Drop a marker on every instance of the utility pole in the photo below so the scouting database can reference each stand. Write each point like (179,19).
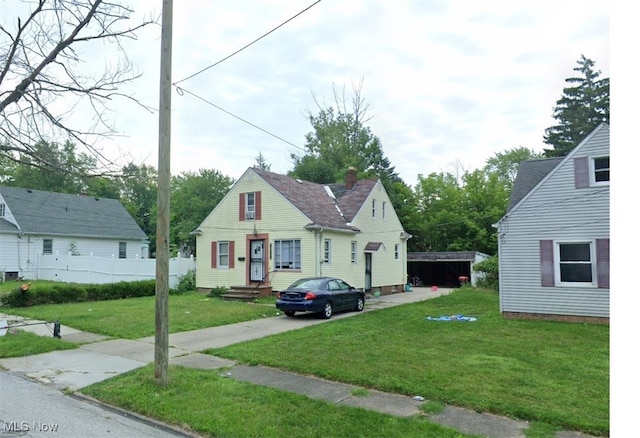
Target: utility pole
(164,179)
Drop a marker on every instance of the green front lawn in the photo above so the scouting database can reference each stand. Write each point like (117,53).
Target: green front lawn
(551,372)
(134,318)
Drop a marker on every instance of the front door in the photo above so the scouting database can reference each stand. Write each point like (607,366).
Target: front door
(367,272)
(256,260)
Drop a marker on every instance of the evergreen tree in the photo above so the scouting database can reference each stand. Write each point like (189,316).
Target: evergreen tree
(582,107)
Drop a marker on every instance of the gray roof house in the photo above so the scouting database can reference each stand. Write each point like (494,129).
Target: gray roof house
(35,224)
(553,241)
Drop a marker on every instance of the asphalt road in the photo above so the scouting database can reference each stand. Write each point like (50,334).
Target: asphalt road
(30,409)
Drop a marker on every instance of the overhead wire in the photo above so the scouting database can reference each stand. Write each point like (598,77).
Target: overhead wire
(246,46)
(181,91)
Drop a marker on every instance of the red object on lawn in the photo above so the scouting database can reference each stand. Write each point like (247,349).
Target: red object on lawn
(434,288)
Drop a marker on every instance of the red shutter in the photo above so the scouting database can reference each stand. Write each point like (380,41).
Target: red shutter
(241,217)
(546,263)
(258,200)
(581,170)
(232,254)
(602,262)
(214,254)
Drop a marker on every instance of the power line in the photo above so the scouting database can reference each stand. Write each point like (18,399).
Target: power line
(246,46)
(182,91)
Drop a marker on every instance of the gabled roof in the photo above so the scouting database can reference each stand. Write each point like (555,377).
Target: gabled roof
(49,213)
(331,206)
(531,173)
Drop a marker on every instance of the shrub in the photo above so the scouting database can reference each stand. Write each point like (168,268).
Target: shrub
(491,269)
(217,291)
(69,293)
(186,283)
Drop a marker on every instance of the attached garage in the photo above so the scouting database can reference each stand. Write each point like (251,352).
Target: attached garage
(443,269)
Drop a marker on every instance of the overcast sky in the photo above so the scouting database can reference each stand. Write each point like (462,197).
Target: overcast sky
(449,83)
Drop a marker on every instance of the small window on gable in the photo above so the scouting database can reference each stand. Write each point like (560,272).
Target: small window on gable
(396,252)
(373,208)
(600,172)
(1,209)
(250,207)
(354,251)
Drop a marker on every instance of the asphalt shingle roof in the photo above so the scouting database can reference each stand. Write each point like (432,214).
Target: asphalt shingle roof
(313,200)
(39,212)
(530,173)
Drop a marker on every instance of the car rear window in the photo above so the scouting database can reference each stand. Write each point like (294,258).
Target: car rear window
(307,284)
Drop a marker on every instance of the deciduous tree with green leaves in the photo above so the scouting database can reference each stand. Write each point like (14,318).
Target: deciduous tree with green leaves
(583,106)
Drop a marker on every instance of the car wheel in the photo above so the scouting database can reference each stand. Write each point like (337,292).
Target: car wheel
(328,310)
(359,304)
(289,312)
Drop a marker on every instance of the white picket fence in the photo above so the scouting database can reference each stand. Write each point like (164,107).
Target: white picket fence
(100,270)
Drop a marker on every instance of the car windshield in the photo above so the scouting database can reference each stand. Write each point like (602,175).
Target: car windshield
(307,283)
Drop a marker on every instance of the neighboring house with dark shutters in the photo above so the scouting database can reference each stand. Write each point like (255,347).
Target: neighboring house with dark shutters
(271,230)
(36,224)
(553,242)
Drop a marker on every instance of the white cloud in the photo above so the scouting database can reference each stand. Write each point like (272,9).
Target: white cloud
(448,81)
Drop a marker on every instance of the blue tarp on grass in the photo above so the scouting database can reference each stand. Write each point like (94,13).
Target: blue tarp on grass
(452,318)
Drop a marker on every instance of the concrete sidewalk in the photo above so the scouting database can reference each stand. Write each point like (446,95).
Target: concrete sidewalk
(98,358)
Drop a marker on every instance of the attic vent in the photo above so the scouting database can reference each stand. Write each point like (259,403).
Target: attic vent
(329,192)
(29,191)
(97,199)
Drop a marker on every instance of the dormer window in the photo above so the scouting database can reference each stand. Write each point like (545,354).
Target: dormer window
(2,207)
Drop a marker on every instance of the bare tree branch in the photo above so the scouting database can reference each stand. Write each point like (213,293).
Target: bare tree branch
(44,80)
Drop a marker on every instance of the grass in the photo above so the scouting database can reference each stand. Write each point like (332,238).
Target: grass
(21,343)
(217,406)
(556,375)
(550,372)
(134,318)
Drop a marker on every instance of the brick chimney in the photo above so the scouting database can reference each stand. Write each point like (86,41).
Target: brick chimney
(351,177)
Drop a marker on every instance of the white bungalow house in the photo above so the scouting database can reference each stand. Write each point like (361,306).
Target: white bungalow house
(553,241)
(36,224)
(271,230)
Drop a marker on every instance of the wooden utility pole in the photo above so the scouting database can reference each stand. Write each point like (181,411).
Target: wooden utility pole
(164,179)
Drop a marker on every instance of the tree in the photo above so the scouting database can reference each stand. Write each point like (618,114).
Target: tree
(505,164)
(43,78)
(138,193)
(22,173)
(582,107)
(261,162)
(339,140)
(193,196)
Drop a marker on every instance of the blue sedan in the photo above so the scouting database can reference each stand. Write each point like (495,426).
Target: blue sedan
(322,295)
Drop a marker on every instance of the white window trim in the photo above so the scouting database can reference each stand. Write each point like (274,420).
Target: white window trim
(250,209)
(396,251)
(592,171)
(593,262)
(276,250)
(384,210)
(220,254)
(373,208)
(327,251)
(50,252)
(354,251)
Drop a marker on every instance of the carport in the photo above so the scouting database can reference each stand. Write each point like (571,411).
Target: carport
(442,268)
